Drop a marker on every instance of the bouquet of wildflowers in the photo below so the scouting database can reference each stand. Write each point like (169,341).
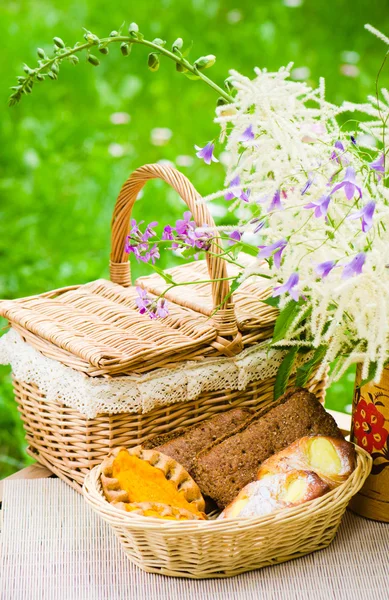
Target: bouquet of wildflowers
(317,206)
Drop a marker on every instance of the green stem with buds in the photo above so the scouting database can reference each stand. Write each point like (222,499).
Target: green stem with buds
(50,66)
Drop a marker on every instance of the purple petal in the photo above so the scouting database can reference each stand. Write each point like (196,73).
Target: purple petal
(235,236)
(206,153)
(267,251)
(378,164)
(287,286)
(349,190)
(247,135)
(324,268)
(276,203)
(354,267)
(233,193)
(245,196)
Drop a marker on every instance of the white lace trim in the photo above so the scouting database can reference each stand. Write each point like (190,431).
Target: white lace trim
(135,393)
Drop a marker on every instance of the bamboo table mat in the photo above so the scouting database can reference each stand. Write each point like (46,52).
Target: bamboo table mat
(54,548)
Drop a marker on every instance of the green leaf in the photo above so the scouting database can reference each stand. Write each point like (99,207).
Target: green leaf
(371,374)
(284,320)
(272,301)
(234,285)
(249,249)
(190,75)
(188,49)
(304,372)
(166,276)
(283,373)
(190,252)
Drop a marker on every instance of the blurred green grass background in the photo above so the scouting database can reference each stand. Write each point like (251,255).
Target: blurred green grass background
(63,158)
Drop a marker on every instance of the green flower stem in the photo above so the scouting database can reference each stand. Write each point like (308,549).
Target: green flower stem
(47,65)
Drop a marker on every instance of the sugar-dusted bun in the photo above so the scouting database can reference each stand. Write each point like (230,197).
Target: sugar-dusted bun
(332,459)
(275,491)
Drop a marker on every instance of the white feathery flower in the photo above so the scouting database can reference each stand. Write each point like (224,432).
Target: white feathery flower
(324,202)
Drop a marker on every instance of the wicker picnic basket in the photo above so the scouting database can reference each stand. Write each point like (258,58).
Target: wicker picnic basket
(203,549)
(91,373)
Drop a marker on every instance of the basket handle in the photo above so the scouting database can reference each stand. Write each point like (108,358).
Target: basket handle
(120,273)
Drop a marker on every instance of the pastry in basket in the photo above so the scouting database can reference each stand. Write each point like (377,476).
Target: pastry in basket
(185,443)
(273,492)
(225,467)
(146,480)
(332,459)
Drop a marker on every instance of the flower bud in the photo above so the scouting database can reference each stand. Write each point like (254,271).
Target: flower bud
(54,68)
(104,50)
(125,49)
(159,42)
(153,61)
(114,33)
(27,70)
(133,30)
(58,42)
(178,44)
(180,68)
(40,77)
(93,60)
(204,62)
(91,37)
(74,59)
(52,75)
(40,52)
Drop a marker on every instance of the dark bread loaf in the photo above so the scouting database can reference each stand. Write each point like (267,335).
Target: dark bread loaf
(185,443)
(225,467)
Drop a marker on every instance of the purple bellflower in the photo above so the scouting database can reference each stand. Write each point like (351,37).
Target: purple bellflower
(276,203)
(320,206)
(323,269)
(234,237)
(339,157)
(366,214)
(349,184)
(236,192)
(274,250)
(289,287)
(206,153)
(378,164)
(307,186)
(354,267)
(248,135)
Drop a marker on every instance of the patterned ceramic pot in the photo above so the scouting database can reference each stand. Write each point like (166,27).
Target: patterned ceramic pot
(370,430)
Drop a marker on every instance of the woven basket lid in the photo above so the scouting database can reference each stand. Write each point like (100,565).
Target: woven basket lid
(96,328)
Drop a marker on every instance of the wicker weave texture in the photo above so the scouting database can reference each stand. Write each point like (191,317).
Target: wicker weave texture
(97,329)
(70,445)
(225,548)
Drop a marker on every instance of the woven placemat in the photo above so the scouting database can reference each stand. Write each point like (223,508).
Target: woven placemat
(55,548)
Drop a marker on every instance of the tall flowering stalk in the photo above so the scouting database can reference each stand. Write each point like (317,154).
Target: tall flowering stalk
(322,197)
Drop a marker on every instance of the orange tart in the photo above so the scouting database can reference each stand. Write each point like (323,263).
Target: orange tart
(152,484)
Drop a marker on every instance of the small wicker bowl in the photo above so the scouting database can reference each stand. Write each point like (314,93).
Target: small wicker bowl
(203,549)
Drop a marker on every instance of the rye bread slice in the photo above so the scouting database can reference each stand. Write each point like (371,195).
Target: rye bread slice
(185,443)
(226,466)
